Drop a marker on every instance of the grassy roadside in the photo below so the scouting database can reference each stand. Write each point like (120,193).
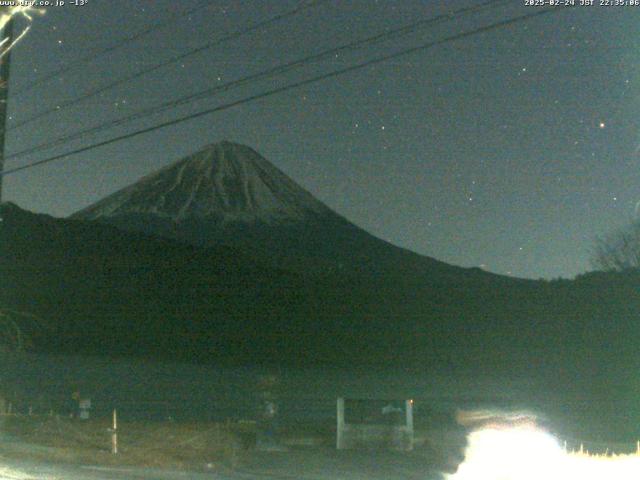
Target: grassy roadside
(210,447)
(167,445)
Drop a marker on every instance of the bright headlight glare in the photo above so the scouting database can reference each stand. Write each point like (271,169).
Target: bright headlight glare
(528,453)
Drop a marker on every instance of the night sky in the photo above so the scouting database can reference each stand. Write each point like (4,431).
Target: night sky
(511,150)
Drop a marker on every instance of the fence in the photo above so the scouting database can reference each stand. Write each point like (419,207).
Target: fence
(367,423)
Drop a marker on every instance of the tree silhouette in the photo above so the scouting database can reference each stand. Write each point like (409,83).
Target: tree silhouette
(618,251)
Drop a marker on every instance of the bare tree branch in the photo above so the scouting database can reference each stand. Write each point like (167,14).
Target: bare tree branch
(618,251)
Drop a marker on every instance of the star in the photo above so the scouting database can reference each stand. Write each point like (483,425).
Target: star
(602,125)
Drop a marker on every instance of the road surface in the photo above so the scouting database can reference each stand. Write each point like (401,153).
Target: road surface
(301,463)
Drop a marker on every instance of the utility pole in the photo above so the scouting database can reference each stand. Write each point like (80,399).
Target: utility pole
(7,35)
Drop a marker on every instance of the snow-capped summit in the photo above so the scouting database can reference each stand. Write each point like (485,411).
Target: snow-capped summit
(224,182)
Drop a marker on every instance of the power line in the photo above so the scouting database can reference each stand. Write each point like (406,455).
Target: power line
(98,53)
(275,91)
(280,69)
(174,59)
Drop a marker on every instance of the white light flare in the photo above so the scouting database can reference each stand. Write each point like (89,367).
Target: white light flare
(529,453)
(7,14)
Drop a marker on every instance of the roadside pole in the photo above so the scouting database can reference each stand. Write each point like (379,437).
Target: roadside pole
(114,433)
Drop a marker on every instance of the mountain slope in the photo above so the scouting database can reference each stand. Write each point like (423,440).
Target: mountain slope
(107,291)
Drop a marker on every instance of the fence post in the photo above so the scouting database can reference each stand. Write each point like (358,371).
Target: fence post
(340,424)
(408,407)
(114,433)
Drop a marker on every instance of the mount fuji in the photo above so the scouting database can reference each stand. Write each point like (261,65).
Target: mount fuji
(228,194)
